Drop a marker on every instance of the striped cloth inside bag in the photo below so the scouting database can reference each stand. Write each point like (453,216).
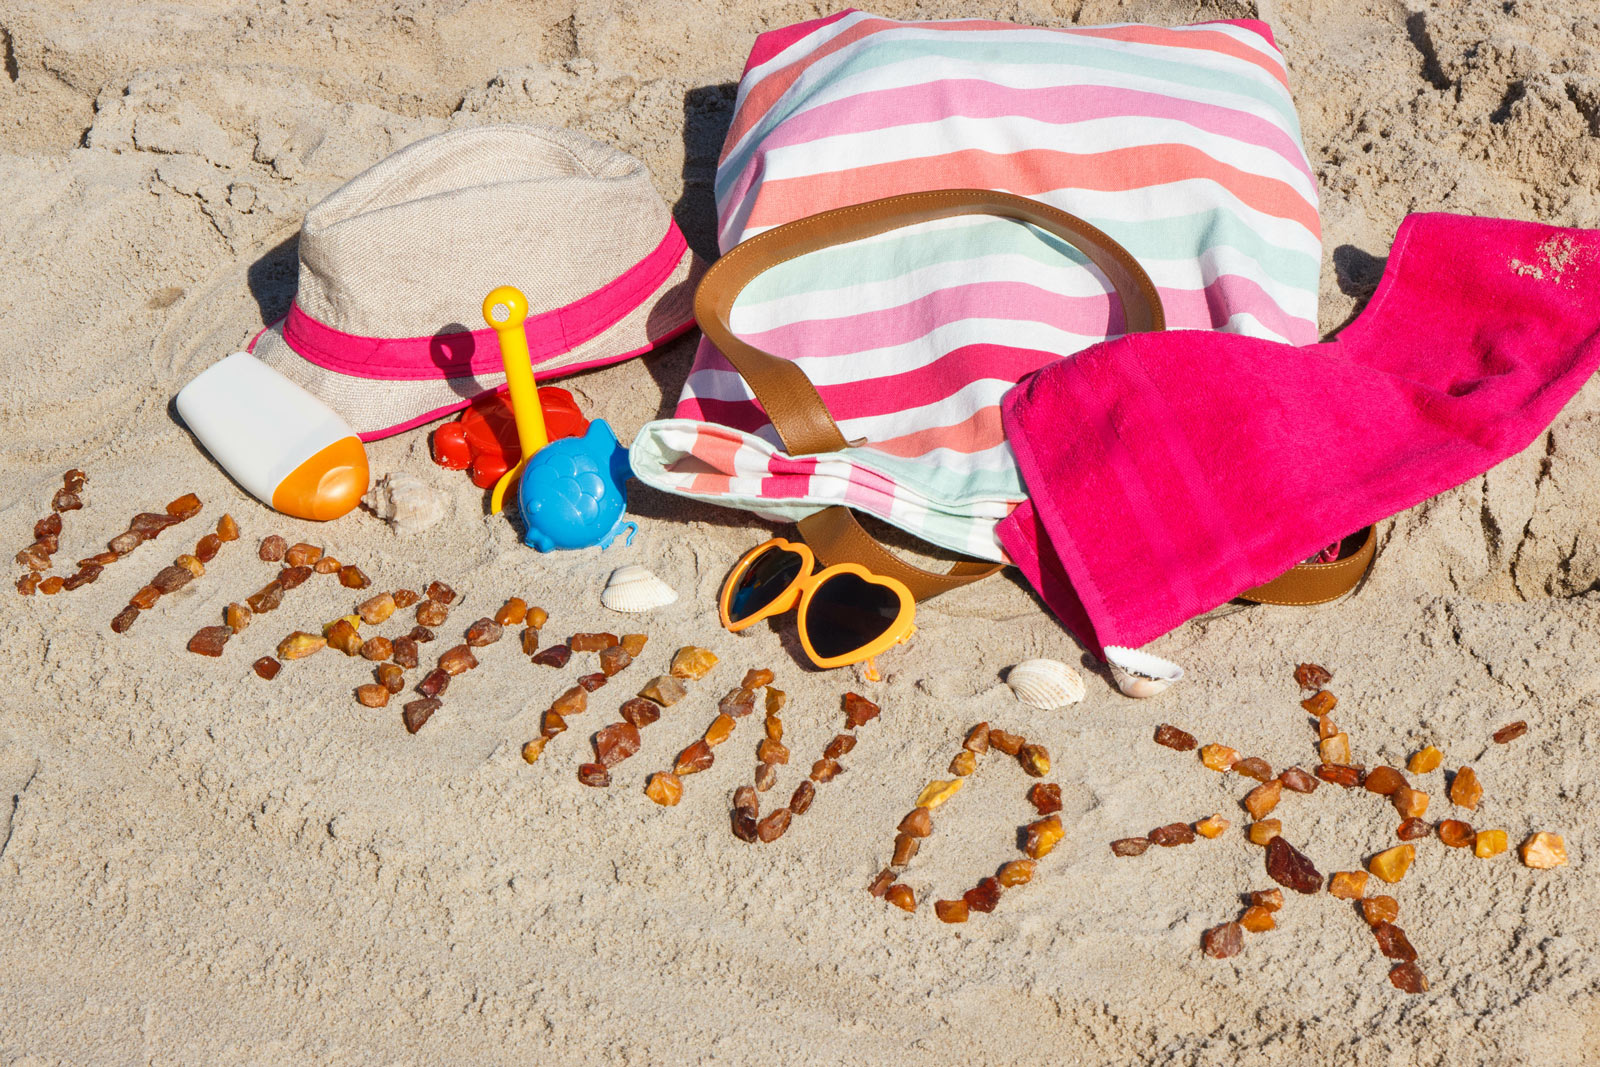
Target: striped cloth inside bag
(1182,144)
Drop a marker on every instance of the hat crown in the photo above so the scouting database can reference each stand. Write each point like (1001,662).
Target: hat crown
(408,247)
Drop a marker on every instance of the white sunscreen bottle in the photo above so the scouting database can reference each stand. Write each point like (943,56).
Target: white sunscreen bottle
(284,446)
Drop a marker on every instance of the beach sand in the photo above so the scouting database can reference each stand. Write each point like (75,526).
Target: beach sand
(200,867)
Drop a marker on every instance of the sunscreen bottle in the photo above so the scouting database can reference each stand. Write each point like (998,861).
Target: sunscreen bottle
(284,446)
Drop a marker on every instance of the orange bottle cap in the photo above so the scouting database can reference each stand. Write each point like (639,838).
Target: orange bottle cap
(327,485)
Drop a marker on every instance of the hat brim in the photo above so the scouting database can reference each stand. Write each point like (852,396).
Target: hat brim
(380,407)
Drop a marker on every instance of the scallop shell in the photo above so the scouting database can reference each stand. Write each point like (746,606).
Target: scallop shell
(1045,683)
(634,589)
(1140,674)
(407,503)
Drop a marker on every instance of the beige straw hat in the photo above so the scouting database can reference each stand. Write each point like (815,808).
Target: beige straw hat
(386,325)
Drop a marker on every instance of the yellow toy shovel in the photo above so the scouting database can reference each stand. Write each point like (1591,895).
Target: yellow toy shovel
(505,309)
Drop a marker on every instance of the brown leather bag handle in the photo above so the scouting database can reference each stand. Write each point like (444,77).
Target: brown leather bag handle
(802,421)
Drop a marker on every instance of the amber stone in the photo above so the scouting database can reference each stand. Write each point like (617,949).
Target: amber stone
(901,896)
(776,699)
(530,641)
(1411,830)
(403,598)
(185,507)
(720,730)
(744,828)
(1040,837)
(905,849)
(614,659)
(534,749)
(85,575)
(353,577)
(917,823)
(1335,749)
(1326,728)
(1223,941)
(694,759)
(985,896)
(1510,732)
(377,609)
(171,579)
(771,827)
(977,739)
(1312,676)
(1544,851)
(372,695)
(1265,830)
(484,632)
(1297,780)
(442,593)
(49,526)
(774,727)
(458,660)
(512,612)
(1392,942)
(302,555)
(300,644)
(1339,774)
(825,770)
(34,557)
(1260,801)
(1174,738)
(52,585)
(207,547)
(124,543)
(404,652)
(326,565)
(377,649)
(266,667)
(691,662)
(1172,834)
(745,799)
(1464,790)
(420,634)
(1290,867)
(266,599)
(1455,833)
(1010,744)
(964,763)
(1212,826)
(1320,703)
(28,583)
(755,678)
(554,656)
(1271,899)
(1384,780)
(391,676)
(1380,909)
(1015,873)
(1488,843)
(839,745)
(434,683)
(272,548)
(800,800)
(65,500)
(551,723)
(573,701)
(640,711)
(73,479)
(616,743)
(950,911)
(1035,760)
(1257,920)
(148,525)
(1425,760)
(858,711)
(593,774)
(1218,757)
(1045,797)
(770,751)
(737,702)
(145,598)
(1410,803)
(418,712)
(1392,863)
(1130,846)
(664,689)
(632,644)
(591,642)
(432,613)
(665,788)
(1348,885)
(591,682)
(209,640)
(1254,767)
(766,776)
(1408,978)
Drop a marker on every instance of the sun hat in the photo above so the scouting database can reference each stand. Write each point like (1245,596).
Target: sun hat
(395,263)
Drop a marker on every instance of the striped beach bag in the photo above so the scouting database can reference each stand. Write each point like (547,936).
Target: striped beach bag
(1181,145)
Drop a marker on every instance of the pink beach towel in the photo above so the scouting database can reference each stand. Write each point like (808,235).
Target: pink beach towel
(1169,472)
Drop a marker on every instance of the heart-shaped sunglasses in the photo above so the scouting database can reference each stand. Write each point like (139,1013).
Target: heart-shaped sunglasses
(847,614)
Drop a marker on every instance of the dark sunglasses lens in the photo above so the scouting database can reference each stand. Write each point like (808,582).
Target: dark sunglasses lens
(848,613)
(764,581)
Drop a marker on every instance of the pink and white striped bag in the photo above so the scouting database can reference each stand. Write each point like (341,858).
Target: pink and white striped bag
(1182,144)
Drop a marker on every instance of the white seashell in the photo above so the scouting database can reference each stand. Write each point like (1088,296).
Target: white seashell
(633,589)
(406,502)
(1045,683)
(1140,674)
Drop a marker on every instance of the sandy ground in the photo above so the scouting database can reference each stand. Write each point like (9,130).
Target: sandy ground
(199,867)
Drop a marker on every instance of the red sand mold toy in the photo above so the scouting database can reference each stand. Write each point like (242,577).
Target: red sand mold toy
(484,438)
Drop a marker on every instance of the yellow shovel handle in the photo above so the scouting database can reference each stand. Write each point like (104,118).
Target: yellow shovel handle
(505,310)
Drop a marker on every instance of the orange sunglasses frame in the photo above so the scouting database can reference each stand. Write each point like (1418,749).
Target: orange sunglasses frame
(800,592)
